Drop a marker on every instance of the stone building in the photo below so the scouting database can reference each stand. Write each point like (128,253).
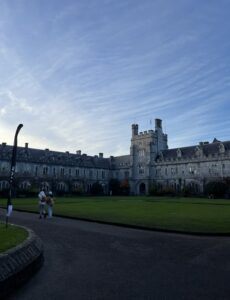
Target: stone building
(150,161)
(194,166)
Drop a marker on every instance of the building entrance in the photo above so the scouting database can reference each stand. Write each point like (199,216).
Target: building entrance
(142,189)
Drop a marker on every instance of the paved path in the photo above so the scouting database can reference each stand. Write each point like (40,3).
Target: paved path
(85,260)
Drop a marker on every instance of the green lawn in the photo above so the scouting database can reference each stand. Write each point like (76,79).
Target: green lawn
(11,236)
(182,214)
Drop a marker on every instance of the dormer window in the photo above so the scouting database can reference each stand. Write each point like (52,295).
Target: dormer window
(161,156)
(198,151)
(221,148)
(179,153)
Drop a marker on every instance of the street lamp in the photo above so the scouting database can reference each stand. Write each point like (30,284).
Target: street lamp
(12,172)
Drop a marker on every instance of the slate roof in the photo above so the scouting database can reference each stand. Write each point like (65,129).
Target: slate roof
(121,161)
(188,152)
(53,157)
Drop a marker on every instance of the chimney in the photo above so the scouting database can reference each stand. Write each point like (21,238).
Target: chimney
(158,123)
(100,155)
(134,129)
(78,152)
(26,145)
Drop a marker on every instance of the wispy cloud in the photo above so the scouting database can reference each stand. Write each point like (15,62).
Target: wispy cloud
(79,74)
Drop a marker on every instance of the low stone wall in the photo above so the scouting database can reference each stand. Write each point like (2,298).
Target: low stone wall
(18,264)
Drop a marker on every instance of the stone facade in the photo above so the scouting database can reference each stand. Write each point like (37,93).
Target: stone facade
(150,161)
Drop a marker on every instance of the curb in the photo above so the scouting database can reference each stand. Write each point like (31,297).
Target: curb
(18,264)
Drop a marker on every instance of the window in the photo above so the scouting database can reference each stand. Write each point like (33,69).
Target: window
(62,171)
(158,172)
(45,170)
(141,169)
(77,172)
(4,185)
(61,186)
(141,152)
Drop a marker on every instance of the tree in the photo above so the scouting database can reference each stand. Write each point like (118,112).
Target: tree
(124,187)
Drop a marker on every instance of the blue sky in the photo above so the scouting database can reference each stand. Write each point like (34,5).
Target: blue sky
(78,73)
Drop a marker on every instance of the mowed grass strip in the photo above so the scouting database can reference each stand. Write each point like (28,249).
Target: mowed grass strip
(11,236)
(180,214)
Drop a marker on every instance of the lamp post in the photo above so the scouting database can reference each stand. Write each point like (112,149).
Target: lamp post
(12,172)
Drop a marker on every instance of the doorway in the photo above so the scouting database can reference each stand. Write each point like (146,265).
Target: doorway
(142,189)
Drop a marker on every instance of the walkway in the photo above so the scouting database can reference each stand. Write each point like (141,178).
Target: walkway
(85,260)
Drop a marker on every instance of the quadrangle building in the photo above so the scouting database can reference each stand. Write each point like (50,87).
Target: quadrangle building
(149,162)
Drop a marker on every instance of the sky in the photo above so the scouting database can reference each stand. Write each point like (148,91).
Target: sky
(78,73)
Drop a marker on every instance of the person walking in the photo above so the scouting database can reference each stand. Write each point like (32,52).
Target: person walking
(50,203)
(42,203)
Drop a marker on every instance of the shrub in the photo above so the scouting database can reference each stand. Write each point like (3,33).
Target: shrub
(188,191)
(97,189)
(124,187)
(114,186)
(77,191)
(216,189)
(153,190)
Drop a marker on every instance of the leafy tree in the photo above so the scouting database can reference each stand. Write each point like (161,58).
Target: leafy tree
(124,187)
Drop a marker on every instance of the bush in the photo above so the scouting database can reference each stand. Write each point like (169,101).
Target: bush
(114,186)
(4,193)
(188,191)
(77,191)
(97,189)
(167,191)
(216,189)
(153,190)
(124,187)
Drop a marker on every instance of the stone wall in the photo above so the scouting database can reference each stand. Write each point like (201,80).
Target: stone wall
(18,264)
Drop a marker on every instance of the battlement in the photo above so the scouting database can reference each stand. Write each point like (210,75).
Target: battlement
(154,137)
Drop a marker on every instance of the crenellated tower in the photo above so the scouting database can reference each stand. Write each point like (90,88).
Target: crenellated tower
(145,146)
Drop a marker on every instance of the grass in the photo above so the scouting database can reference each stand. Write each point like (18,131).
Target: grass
(181,214)
(11,236)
